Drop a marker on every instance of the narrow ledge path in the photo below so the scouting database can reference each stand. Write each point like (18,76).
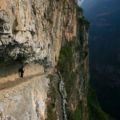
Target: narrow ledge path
(10,84)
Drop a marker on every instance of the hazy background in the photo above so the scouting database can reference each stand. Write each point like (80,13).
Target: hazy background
(104,44)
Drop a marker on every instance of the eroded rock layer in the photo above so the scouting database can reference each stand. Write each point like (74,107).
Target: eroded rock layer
(43,36)
(33,29)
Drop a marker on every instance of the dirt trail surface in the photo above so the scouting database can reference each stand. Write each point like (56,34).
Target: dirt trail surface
(10,84)
(25,96)
(9,76)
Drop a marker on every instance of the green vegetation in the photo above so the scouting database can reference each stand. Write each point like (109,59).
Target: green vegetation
(66,65)
(83,21)
(51,113)
(81,18)
(79,9)
(77,114)
(95,111)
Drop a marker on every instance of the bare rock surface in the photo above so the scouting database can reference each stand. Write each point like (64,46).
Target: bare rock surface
(32,33)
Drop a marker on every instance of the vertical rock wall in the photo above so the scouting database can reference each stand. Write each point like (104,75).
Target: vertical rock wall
(34,29)
(34,32)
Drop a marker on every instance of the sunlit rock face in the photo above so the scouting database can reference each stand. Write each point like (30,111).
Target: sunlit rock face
(32,33)
(33,29)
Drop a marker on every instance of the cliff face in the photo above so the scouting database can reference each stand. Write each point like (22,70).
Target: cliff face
(33,29)
(50,38)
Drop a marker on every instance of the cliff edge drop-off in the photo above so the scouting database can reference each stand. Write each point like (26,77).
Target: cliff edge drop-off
(50,39)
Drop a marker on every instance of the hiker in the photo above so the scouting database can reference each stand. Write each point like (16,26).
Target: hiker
(21,71)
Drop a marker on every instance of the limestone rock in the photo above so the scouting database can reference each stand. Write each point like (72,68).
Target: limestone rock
(32,32)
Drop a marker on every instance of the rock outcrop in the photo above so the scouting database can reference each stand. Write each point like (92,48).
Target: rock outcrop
(33,29)
(46,36)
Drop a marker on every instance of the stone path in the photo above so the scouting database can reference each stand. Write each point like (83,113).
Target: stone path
(10,84)
(10,79)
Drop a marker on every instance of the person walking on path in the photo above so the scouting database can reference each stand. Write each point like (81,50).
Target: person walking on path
(21,71)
